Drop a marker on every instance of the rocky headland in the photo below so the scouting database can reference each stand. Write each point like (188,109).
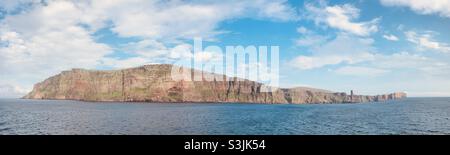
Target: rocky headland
(153,83)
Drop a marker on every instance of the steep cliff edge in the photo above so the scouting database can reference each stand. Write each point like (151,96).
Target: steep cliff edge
(153,83)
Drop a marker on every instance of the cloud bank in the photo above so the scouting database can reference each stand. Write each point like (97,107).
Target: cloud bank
(440,7)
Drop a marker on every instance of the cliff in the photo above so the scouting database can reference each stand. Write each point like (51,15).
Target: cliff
(153,83)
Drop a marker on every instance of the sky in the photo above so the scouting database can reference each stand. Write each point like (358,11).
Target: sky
(369,46)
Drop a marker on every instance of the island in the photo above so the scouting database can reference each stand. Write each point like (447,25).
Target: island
(153,83)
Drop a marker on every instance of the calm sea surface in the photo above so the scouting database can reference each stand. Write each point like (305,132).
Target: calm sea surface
(409,116)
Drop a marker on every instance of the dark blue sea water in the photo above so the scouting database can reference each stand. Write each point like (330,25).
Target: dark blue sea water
(409,116)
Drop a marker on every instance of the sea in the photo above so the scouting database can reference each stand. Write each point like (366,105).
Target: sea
(411,116)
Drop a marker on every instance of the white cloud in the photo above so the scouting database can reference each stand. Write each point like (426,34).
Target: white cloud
(302,30)
(152,49)
(157,19)
(344,49)
(356,56)
(440,7)
(9,91)
(311,62)
(401,60)
(13,5)
(390,37)
(360,71)
(341,17)
(434,67)
(309,38)
(208,56)
(273,9)
(360,62)
(44,41)
(425,41)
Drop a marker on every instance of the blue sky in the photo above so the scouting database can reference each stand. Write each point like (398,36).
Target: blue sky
(370,46)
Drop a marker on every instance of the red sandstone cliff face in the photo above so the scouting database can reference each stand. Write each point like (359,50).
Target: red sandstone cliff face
(153,83)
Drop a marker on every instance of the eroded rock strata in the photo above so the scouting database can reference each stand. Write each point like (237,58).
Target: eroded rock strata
(153,83)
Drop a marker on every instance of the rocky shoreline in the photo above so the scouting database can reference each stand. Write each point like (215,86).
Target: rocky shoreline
(153,83)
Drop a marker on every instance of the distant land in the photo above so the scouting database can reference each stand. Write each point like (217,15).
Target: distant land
(153,83)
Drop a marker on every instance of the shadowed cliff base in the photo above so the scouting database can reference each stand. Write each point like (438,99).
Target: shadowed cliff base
(153,83)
